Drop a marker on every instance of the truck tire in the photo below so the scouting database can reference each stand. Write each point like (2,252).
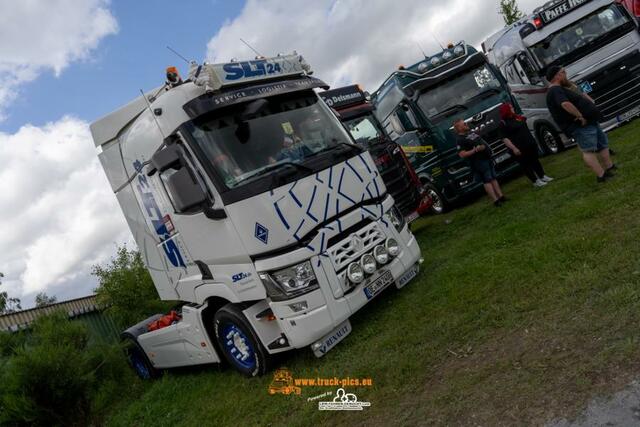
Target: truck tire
(549,139)
(239,343)
(439,204)
(139,361)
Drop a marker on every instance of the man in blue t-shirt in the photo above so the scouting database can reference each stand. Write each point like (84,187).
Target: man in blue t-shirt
(578,116)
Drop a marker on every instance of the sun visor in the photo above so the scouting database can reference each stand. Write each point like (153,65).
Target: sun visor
(216,100)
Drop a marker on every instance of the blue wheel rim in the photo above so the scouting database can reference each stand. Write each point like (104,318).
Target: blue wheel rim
(238,346)
(139,366)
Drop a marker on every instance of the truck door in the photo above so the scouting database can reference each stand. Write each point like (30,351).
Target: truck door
(199,218)
(528,89)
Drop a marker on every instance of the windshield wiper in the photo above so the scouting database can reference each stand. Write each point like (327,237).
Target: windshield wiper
(485,93)
(338,145)
(277,166)
(450,111)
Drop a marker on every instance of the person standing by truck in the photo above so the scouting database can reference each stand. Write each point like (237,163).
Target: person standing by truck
(579,118)
(478,153)
(518,138)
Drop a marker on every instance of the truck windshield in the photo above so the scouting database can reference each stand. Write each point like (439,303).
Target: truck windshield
(583,36)
(459,93)
(283,131)
(365,130)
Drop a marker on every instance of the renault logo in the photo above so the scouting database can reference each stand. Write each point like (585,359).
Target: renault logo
(356,243)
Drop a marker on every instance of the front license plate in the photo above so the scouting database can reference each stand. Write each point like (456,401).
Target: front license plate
(375,287)
(406,277)
(629,114)
(412,216)
(322,346)
(502,157)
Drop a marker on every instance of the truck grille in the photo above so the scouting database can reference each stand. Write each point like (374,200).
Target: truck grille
(617,88)
(488,127)
(354,246)
(396,177)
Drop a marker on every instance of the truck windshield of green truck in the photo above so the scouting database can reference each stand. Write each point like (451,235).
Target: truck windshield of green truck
(459,93)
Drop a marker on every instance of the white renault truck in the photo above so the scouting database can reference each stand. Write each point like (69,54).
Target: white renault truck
(597,41)
(250,203)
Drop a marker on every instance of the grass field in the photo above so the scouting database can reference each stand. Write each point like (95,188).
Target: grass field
(520,314)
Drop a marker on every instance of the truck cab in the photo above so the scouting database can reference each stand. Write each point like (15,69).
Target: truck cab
(596,41)
(251,204)
(418,105)
(356,111)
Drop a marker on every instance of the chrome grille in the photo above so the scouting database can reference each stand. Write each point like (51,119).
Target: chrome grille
(616,89)
(351,249)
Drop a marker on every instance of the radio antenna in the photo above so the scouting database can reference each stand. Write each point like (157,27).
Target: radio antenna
(155,119)
(422,50)
(249,46)
(178,55)
(437,41)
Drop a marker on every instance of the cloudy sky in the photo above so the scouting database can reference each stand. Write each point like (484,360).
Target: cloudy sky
(65,63)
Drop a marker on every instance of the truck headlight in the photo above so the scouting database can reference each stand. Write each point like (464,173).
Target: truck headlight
(355,273)
(368,263)
(381,254)
(392,246)
(290,282)
(395,217)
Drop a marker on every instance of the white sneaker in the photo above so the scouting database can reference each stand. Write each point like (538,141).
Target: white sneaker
(546,178)
(539,183)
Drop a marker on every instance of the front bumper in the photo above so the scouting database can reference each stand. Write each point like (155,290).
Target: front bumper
(330,305)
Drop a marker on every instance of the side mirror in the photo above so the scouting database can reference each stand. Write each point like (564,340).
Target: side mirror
(185,192)
(407,119)
(167,158)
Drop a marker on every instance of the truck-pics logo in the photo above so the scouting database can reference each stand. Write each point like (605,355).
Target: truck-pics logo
(343,401)
(283,383)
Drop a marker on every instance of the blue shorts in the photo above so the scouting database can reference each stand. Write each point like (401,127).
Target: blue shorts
(590,138)
(484,172)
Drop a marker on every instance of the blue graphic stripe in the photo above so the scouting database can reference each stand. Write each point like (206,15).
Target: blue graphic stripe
(293,196)
(330,177)
(375,184)
(369,191)
(354,171)
(295,235)
(364,162)
(322,243)
(284,221)
(318,178)
(340,190)
(313,196)
(326,207)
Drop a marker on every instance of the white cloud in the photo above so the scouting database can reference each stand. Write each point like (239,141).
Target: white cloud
(41,35)
(355,41)
(58,215)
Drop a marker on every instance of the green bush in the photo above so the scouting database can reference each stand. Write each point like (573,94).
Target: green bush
(126,290)
(54,378)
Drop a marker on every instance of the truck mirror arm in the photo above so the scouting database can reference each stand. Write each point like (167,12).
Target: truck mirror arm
(215,214)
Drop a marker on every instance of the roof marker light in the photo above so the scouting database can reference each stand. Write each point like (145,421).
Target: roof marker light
(537,21)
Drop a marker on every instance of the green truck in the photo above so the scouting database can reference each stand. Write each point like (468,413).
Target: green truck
(418,104)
